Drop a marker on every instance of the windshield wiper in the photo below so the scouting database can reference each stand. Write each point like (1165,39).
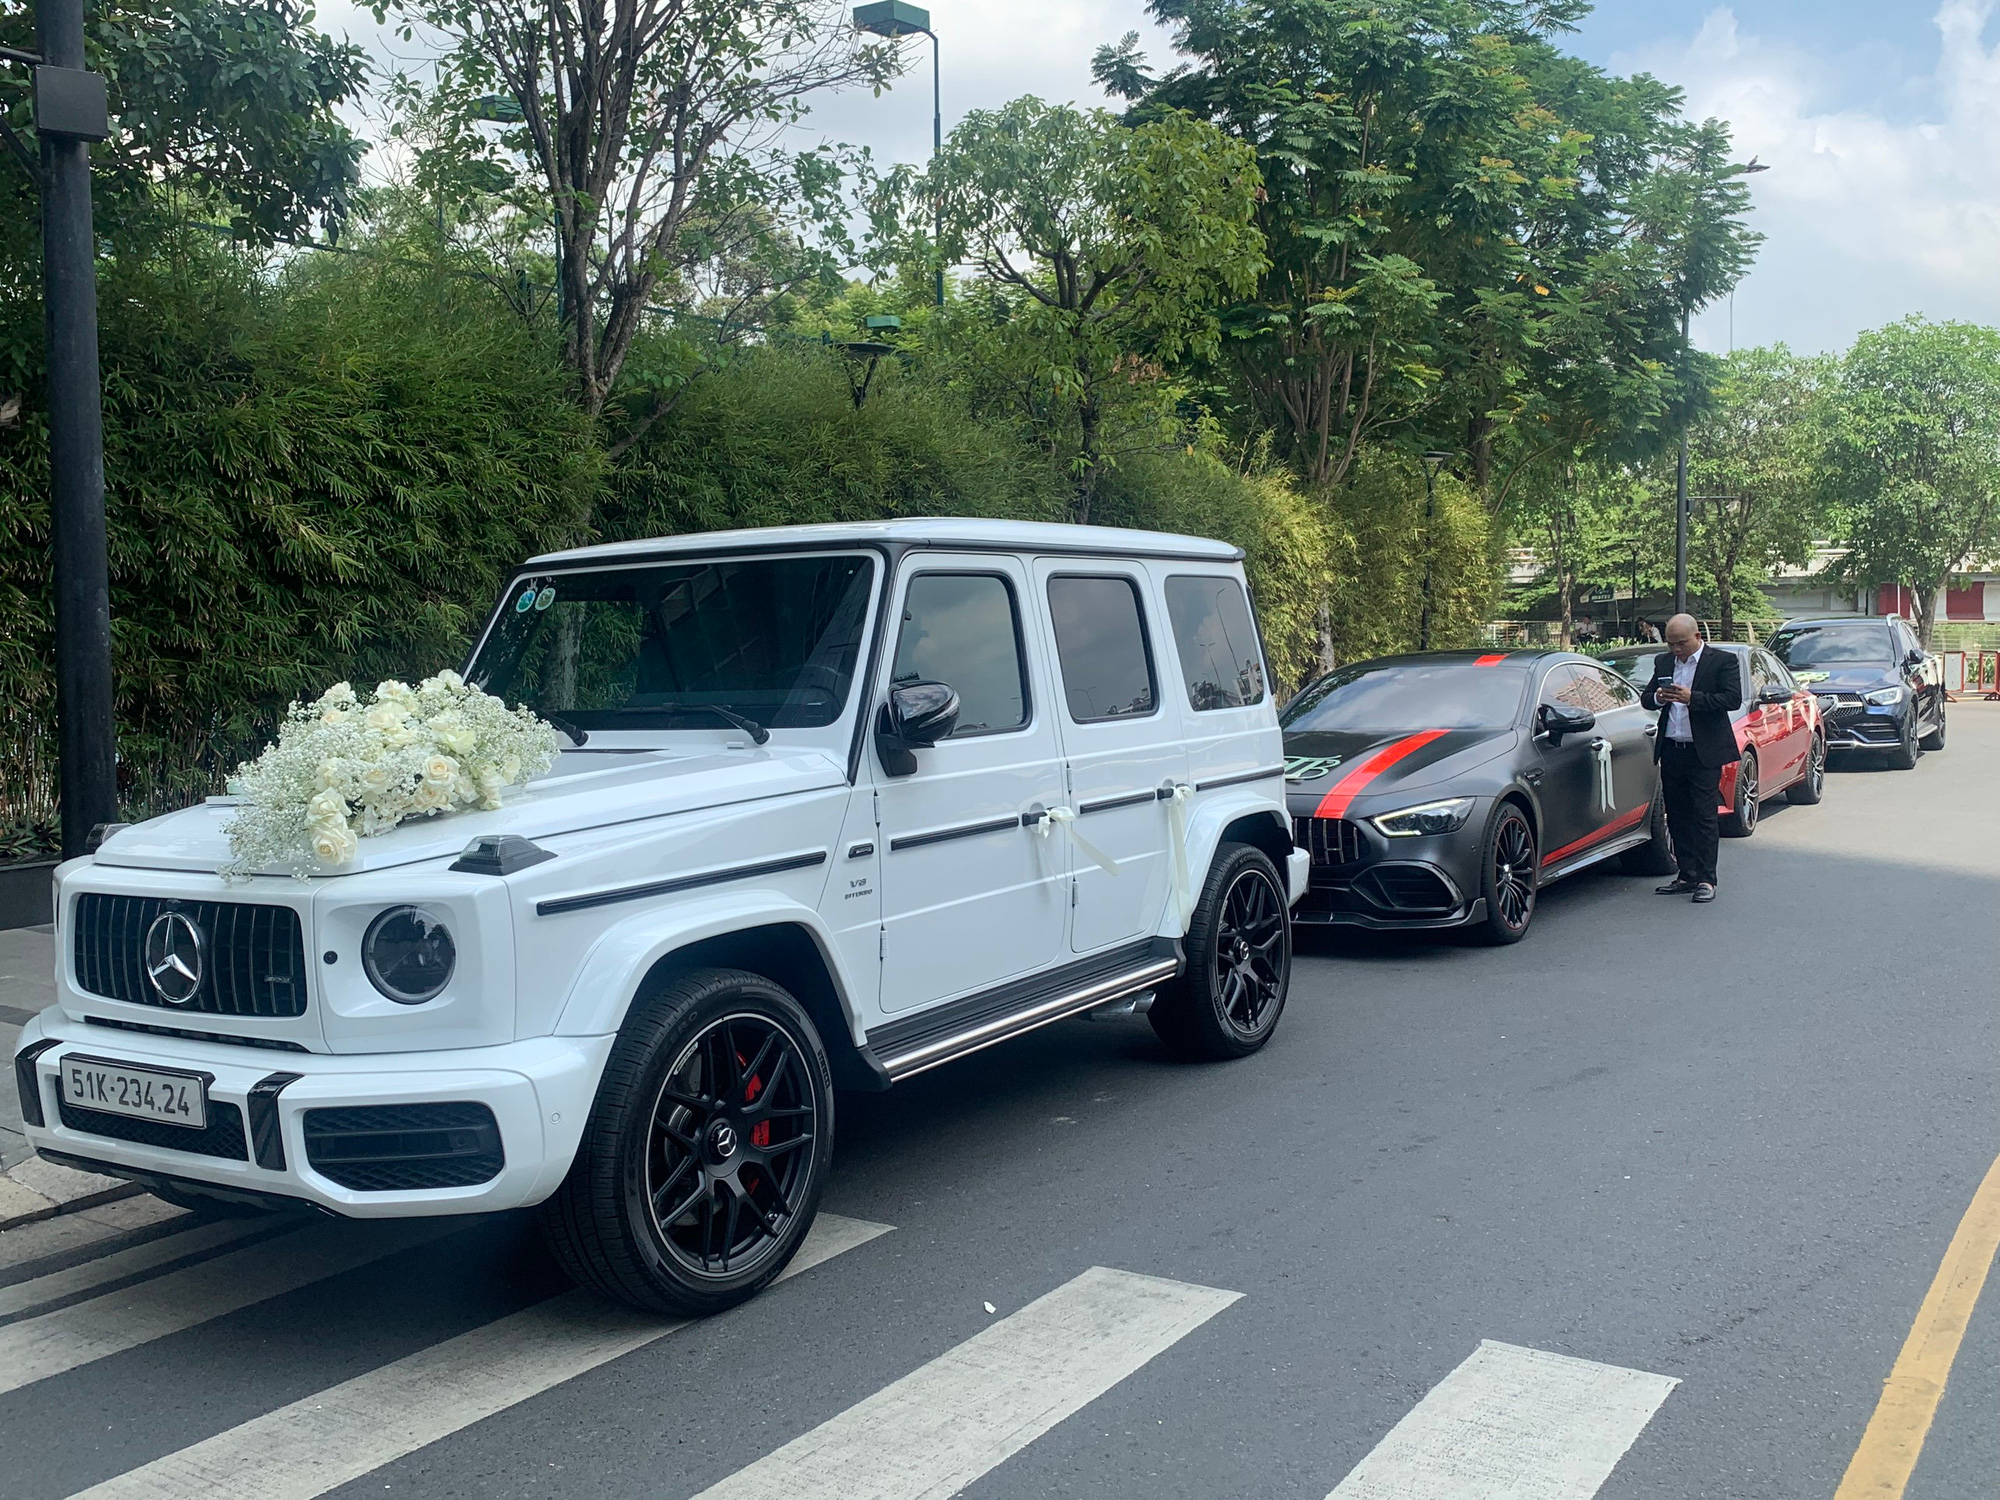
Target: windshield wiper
(577,737)
(751,727)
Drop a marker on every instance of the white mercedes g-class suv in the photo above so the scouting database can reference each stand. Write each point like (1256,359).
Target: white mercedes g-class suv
(839,805)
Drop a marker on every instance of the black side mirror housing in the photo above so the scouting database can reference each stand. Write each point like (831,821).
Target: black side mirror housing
(1914,659)
(1558,719)
(916,717)
(1774,694)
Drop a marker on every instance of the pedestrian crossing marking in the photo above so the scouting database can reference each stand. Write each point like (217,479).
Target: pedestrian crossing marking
(36,1348)
(936,1430)
(123,1263)
(337,1435)
(1511,1424)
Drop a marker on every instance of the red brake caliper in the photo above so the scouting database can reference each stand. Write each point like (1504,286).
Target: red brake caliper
(760,1133)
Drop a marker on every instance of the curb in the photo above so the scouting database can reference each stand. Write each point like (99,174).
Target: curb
(35,1189)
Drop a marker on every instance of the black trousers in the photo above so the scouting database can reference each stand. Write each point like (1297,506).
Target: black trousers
(1691,791)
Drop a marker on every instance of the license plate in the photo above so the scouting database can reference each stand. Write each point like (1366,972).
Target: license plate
(117,1088)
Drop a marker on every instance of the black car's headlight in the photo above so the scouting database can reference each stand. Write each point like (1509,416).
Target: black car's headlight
(1446,816)
(1884,697)
(409,955)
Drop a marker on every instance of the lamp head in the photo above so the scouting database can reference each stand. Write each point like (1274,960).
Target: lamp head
(892,18)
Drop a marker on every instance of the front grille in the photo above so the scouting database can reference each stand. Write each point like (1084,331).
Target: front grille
(1331,842)
(254,963)
(223,1135)
(401,1148)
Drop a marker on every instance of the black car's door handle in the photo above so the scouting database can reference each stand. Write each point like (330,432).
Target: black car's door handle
(1533,778)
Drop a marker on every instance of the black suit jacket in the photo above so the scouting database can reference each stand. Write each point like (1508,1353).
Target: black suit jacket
(1716,693)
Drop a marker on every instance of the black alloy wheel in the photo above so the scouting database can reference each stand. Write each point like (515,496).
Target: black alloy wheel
(1510,876)
(1239,962)
(1811,785)
(1656,855)
(1741,819)
(1904,756)
(1935,739)
(700,1170)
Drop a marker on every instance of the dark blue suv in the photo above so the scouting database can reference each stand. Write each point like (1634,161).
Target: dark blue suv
(1877,688)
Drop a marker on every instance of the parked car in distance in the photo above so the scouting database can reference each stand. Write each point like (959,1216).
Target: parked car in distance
(842,804)
(1878,689)
(1444,789)
(1780,741)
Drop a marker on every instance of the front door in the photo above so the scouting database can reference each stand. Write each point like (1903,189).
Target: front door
(1568,788)
(972,894)
(1121,742)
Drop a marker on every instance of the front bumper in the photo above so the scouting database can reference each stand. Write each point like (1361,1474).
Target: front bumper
(1360,878)
(539,1093)
(1857,726)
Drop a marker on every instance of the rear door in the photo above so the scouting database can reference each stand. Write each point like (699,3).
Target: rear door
(1121,743)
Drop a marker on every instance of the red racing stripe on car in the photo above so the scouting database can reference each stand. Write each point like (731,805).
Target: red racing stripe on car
(1616,825)
(1350,786)
(1489,661)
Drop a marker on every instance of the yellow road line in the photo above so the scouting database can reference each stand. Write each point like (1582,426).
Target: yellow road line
(1882,1465)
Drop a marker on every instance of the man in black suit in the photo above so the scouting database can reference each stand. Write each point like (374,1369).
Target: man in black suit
(1695,690)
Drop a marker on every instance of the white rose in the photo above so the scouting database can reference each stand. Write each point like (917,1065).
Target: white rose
(510,769)
(375,778)
(333,846)
(490,787)
(338,696)
(430,795)
(447,679)
(393,691)
(328,807)
(460,742)
(326,774)
(440,769)
(385,716)
(334,716)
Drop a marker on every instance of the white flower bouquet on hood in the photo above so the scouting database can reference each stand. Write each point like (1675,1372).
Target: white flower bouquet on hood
(345,768)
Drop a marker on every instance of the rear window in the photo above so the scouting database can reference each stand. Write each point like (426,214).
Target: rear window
(1220,658)
(1107,670)
(1385,699)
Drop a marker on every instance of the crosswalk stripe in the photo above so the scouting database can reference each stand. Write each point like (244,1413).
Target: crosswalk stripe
(339,1434)
(122,1263)
(36,1348)
(944,1424)
(70,1232)
(1511,1424)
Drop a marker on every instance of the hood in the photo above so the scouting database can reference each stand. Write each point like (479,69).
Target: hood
(579,791)
(1859,677)
(1372,763)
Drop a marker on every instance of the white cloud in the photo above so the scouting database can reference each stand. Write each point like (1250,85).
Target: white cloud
(1866,217)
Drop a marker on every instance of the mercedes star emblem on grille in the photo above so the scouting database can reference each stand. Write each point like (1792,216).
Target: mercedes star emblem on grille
(174,951)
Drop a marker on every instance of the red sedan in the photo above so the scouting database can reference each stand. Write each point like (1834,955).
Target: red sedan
(1778,733)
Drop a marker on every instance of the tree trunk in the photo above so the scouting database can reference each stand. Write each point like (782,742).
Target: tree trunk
(1725,602)
(1089,420)
(1927,609)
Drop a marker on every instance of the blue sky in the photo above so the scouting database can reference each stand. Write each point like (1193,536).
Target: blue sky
(1880,121)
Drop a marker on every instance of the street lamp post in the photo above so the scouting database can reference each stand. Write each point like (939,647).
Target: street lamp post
(1432,462)
(70,113)
(894,18)
(1681,493)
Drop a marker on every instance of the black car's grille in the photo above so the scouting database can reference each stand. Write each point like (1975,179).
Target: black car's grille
(1414,889)
(1331,842)
(254,963)
(223,1135)
(395,1148)
(1851,720)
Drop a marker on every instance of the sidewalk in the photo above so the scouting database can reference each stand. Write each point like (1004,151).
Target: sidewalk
(31,1188)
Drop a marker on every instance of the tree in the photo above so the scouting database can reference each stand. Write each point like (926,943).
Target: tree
(1754,493)
(653,133)
(1104,248)
(1913,455)
(1579,522)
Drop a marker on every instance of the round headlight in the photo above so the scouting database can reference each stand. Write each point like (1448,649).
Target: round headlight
(409,955)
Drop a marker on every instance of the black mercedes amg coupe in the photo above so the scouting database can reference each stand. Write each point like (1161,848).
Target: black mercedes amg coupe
(1444,789)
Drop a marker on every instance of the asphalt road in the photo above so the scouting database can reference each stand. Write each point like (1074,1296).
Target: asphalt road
(1724,1145)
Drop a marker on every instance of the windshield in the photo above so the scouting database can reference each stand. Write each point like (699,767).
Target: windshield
(1841,644)
(1375,699)
(772,639)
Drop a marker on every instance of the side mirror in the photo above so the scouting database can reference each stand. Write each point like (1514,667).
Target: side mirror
(1916,658)
(1558,719)
(917,716)
(1774,693)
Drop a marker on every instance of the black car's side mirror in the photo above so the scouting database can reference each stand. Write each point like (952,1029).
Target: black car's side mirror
(917,716)
(1558,719)
(1916,658)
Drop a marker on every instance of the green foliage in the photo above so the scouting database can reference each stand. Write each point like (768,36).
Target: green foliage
(1913,454)
(311,475)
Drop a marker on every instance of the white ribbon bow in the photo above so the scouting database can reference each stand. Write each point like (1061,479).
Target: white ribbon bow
(1066,816)
(1183,892)
(1605,798)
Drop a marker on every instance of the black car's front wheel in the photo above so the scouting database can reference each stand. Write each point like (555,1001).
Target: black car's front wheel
(1510,872)
(1239,962)
(1656,855)
(1935,739)
(1904,756)
(700,1170)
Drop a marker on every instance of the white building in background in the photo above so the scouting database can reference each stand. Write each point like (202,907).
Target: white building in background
(1973,597)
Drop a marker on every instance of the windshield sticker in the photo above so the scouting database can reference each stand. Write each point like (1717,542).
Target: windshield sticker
(546,597)
(1309,767)
(526,602)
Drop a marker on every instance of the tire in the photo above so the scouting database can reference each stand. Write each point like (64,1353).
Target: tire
(1811,785)
(1935,739)
(1239,962)
(1741,820)
(1656,855)
(1510,895)
(701,1166)
(1904,756)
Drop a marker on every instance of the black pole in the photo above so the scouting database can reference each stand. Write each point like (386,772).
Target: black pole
(1681,489)
(937,152)
(86,741)
(1430,513)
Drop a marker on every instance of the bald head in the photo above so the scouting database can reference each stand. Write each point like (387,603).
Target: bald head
(1683,636)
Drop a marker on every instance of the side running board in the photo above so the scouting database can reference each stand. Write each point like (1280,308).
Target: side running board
(907,1056)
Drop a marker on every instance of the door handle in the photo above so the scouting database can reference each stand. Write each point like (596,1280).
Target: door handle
(1652,731)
